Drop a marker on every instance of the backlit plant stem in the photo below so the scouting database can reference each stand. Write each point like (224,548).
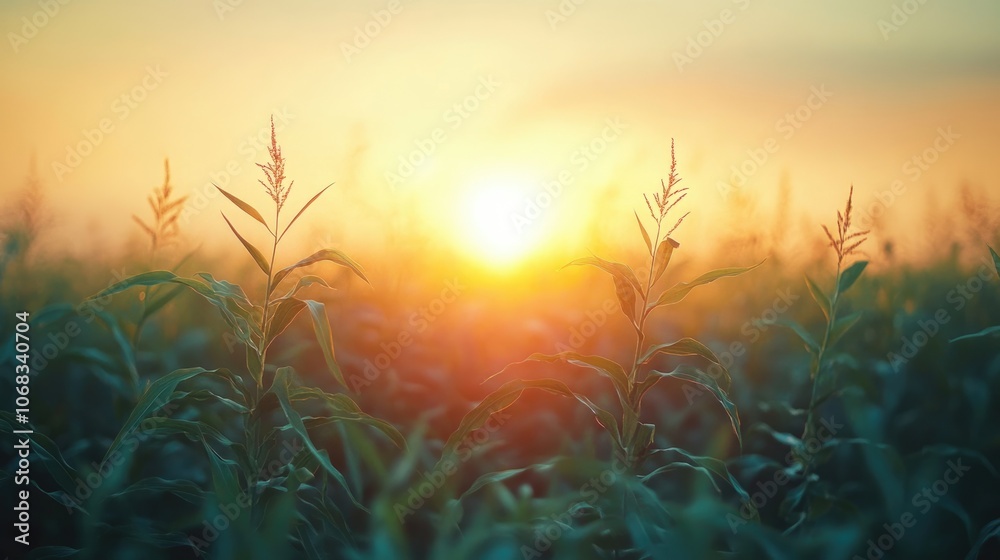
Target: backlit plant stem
(810,427)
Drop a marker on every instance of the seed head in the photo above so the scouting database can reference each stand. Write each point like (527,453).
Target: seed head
(274,171)
(846,242)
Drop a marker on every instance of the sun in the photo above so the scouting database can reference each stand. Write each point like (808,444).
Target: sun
(490,228)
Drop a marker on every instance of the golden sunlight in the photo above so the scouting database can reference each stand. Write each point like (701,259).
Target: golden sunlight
(487,228)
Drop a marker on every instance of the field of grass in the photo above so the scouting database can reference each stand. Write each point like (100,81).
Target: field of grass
(638,404)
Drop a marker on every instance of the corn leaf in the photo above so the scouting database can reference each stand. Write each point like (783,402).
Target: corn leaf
(250,210)
(331,255)
(258,257)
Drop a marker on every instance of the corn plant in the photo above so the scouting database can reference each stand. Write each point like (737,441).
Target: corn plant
(258,323)
(845,243)
(162,231)
(809,450)
(633,440)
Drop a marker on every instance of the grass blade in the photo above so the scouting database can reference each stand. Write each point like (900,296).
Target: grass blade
(321,325)
(258,257)
(284,314)
(280,389)
(983,333)
(851,275)
(684,347)
(159,393)
(679,291)
(645,235)
(331,255)
(662,258)
(819,297)
(617,270)
(698,377)
(311,200)
(250,210)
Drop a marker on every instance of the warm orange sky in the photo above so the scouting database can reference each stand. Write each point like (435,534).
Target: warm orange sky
(537,88)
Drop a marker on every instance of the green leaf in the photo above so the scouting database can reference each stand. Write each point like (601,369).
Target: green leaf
(679,291)
(983,333)
(311,200)
(504,396)
(145,279)
(238,318)
(989,532)
(603,366)
(46,452)
(159,393)
(645,235)
(698,377)
(802,333)
(124,346)
(50,552)
(305,281)
(280,388)
(716,467)
(331,255)
(342,407)
(680,466)
(851,275)
(258,257)
(286,311)
(499,476)
(944,450)
(819,297)
(321,325)
(842,325)
(225,483)
(254,365)
(662,258)
(183,489)
(685,347)
(617,270)
(996,260)
(253,213)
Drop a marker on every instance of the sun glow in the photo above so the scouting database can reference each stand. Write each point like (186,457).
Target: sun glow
(490,229)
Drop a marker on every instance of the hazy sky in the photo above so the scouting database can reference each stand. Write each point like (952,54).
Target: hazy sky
(506,96)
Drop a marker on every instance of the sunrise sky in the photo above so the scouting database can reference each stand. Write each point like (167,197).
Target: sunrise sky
(507,96)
